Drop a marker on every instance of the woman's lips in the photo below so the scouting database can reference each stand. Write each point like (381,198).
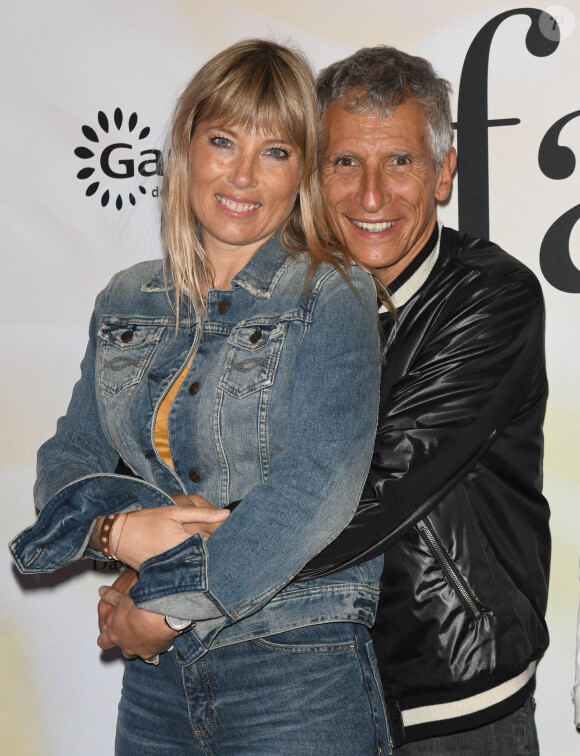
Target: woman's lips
(237,205)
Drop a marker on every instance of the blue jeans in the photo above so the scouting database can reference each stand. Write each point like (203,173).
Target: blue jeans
(304,692)
(514,735)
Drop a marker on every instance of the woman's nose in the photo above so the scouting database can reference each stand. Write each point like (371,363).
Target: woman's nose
(243,172)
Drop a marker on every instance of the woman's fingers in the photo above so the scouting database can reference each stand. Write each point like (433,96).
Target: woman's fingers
(148,532)
(201,515)
(191,500)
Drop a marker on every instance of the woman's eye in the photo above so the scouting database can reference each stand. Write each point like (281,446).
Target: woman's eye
(278,152)
(220,141)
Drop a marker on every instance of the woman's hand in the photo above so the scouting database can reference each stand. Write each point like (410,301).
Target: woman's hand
(152,531)
(136,631)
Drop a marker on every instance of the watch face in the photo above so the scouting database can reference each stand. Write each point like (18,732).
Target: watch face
(178,624)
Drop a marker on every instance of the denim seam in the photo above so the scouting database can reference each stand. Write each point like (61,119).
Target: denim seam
(330,648)
(224,482)
(368,690)
(241,611)
(370,656)
(263,446)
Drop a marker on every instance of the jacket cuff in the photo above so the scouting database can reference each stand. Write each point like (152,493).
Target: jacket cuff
(176,582)
(61,533)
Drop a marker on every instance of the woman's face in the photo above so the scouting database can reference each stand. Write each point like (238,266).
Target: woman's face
(242,185)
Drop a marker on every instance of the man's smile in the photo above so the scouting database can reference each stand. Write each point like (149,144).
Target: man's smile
(375,227)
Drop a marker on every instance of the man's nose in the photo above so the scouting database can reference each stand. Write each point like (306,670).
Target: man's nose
(243,171)
(374,190)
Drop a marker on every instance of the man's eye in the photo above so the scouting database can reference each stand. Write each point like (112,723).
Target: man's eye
(220,141)
(279,153)
(401,160)
(345,161)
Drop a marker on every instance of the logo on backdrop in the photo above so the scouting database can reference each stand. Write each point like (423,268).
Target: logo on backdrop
(556,160)
(117,160)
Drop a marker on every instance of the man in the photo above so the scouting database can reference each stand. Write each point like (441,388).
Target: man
(453,496)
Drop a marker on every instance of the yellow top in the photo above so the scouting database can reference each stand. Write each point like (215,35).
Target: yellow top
(161,429)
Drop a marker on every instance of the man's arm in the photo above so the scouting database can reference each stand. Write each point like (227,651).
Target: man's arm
(443,405)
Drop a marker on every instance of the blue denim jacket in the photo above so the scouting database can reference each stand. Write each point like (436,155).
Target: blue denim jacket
(278,409)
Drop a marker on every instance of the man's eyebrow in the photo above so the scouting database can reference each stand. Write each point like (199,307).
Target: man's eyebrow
(339,154)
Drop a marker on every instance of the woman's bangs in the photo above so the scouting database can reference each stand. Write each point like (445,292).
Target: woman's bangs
(257,108)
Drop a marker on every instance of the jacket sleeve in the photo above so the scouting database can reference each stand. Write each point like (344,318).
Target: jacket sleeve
(313,484)
(452,396)
(76,481)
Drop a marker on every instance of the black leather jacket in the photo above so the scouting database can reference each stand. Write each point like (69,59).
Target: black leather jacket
(453,496)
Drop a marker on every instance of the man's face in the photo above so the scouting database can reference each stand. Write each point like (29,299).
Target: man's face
(380,186)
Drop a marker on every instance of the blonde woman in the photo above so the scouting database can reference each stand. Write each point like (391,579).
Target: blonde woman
(246,368)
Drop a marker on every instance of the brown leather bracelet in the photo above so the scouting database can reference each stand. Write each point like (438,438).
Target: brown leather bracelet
(116,550)
(105,534)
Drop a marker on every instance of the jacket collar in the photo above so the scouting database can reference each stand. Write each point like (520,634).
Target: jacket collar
(259,276)
(408,283)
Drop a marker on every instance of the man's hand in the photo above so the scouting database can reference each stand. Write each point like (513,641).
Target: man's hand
(123,584)
(136,631)
(116,627)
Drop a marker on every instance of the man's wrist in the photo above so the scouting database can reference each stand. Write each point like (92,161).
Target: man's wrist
(178,626)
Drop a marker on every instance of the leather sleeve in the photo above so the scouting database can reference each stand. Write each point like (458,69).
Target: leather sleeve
(462,362)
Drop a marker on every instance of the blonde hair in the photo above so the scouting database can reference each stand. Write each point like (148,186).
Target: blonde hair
(258,85)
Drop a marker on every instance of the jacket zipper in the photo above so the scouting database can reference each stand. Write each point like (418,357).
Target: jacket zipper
(456,580)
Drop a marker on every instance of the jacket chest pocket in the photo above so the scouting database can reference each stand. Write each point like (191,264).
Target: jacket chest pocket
(252,358)
(125,351)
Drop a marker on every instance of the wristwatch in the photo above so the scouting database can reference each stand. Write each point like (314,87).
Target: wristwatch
(179,626)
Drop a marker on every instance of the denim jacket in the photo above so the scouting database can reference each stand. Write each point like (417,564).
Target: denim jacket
(278,409)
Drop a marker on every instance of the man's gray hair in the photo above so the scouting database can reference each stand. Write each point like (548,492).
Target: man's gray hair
(379,79)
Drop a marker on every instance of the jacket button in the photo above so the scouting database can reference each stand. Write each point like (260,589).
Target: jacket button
(179,656)
(194,476)
(256,336)
(126,336)
(194,388)
(224,306)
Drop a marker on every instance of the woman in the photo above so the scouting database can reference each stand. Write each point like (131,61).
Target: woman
(247,370)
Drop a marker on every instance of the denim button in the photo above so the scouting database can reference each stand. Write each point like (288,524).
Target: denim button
(256,336)
(193,389)
(224,306)
(194,476)
(126,336)
(179,655)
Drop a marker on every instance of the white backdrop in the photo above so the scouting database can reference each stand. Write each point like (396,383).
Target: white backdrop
(61,63)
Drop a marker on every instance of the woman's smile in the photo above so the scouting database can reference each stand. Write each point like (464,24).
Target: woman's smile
(237,205)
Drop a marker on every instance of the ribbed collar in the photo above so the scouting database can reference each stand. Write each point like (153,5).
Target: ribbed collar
(410,280)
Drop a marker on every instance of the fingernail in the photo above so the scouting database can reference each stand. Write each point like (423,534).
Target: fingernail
(102,590)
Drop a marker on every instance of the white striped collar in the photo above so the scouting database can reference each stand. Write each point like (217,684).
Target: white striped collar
(414,283)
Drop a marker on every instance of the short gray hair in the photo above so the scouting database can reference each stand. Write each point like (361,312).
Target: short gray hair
(379,79)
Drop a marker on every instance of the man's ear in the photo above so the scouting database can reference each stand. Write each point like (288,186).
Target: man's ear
(445,176)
